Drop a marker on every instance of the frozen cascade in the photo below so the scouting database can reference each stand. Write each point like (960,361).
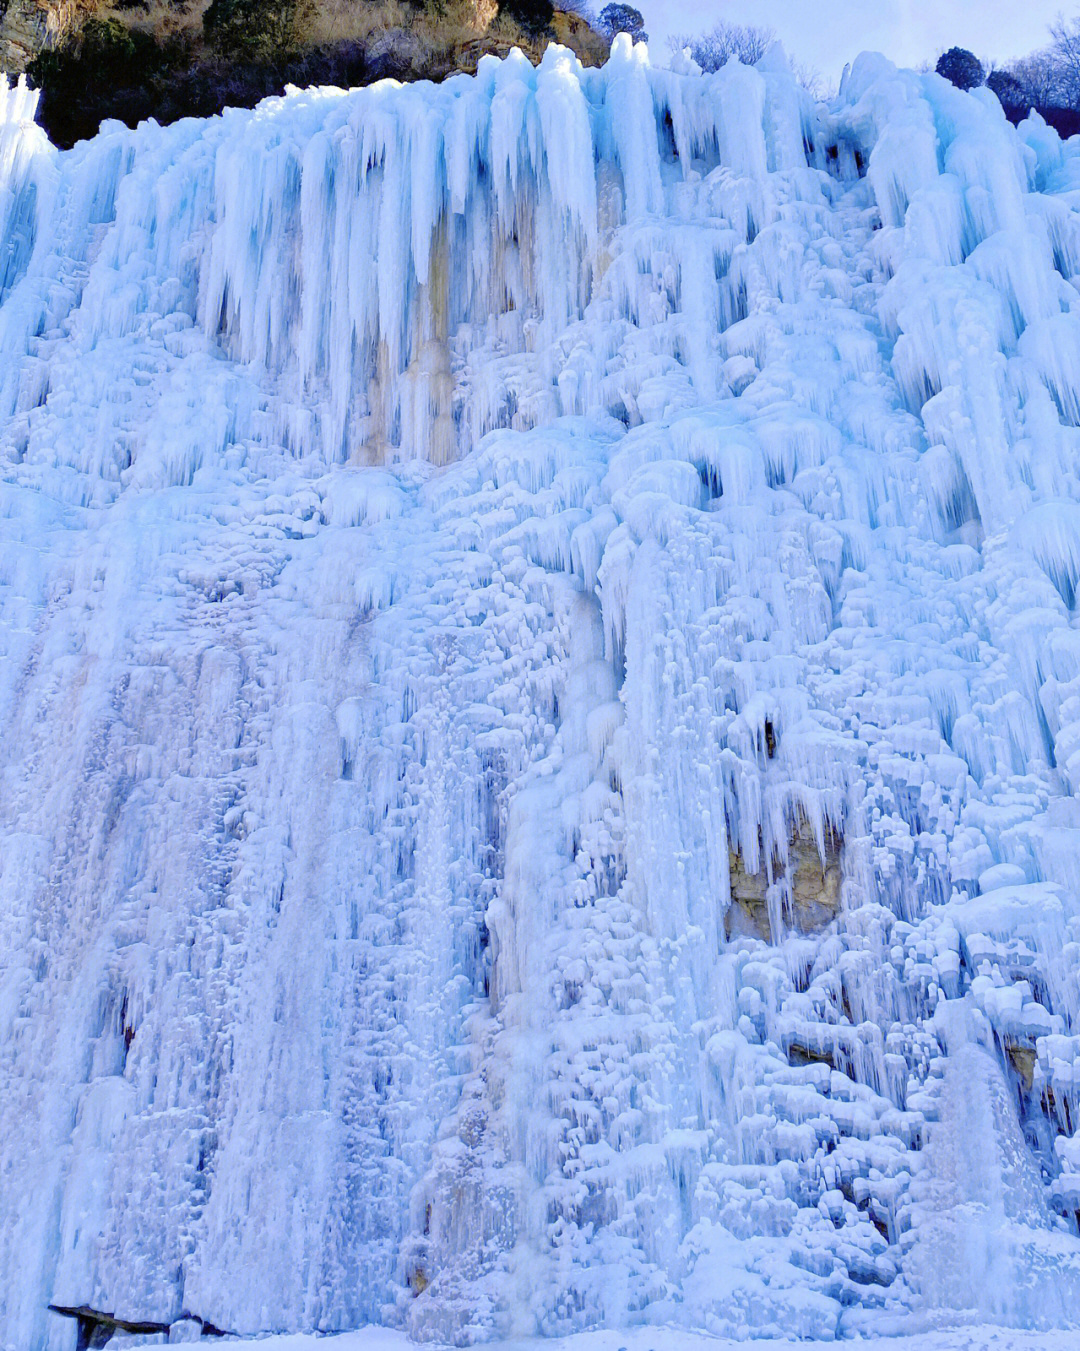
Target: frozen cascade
(540,675)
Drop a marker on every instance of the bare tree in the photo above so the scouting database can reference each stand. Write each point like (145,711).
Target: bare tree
(747,42)
(1039,78)
(812,80)
(1050,77)
(1065,55)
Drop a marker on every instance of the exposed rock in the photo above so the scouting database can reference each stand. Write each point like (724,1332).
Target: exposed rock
(96,1329)
(130,60)
(798,1054)
(1058,1109)
(1022,1058)
(748,914)
(813,889)
(396,53)
(30,26)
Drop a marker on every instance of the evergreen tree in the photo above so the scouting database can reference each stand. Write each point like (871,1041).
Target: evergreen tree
(961,67)
(616,19)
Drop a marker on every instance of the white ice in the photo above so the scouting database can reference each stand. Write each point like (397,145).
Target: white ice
(540,679)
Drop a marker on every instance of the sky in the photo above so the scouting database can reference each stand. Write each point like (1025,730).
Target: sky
(824,34)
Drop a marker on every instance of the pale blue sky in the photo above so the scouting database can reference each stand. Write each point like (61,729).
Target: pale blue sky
(826,33)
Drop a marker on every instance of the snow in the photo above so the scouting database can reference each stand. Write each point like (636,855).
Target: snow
(540,678)
(983,1338)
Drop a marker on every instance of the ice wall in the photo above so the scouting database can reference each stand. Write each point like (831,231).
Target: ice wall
(541,699)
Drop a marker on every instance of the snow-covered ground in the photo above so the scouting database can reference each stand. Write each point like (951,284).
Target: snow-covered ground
(540,688)
(682,1339)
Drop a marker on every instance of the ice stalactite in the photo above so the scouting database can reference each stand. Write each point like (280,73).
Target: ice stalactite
(542,709)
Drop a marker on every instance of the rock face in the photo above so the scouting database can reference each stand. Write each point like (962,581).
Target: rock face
(540,709)
(30,26)
(800,892)
(163,62)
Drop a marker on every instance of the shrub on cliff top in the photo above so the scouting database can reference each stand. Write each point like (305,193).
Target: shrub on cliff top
(255,29)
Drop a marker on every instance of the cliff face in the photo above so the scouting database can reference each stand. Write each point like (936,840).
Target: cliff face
(28,27)
(540,704)
(135,59)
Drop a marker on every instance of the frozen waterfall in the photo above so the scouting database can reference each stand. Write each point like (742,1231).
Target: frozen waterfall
(540,693)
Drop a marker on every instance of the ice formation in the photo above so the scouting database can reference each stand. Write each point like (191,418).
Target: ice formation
(540,692)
